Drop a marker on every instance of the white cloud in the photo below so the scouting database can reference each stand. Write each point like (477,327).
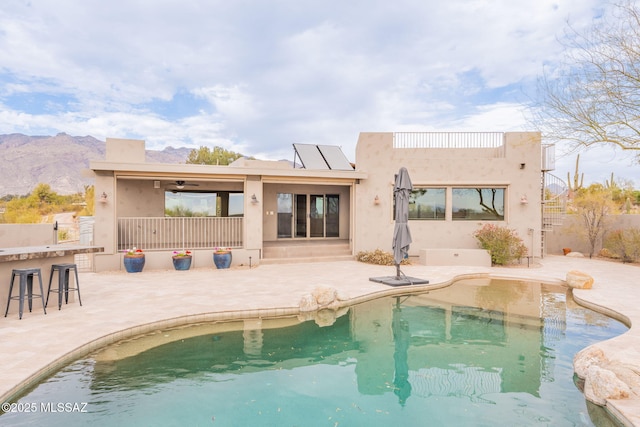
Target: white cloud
(273,73)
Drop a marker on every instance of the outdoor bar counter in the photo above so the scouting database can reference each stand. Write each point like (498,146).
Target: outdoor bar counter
(41,257)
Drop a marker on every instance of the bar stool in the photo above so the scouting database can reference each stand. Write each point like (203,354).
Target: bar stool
(26,285)
(64,270)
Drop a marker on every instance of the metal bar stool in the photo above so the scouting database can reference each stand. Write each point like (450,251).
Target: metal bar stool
(26,286)
(64,271)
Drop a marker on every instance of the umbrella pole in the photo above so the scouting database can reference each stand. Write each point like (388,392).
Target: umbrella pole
(398,271)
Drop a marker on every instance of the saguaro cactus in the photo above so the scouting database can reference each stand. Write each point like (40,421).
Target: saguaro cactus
(578,179)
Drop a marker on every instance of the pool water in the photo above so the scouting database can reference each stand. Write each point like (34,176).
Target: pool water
(478,353)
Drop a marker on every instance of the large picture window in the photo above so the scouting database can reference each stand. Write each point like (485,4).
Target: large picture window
(193,203)
(478,204)
(427,204)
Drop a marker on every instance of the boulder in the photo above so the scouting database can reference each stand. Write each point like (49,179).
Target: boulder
(586,358)
(579,280)
(575,255)
(602,384)
(308,303)
(324,295)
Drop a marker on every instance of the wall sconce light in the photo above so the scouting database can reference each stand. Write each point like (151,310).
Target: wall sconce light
(103,197)
(254,199)
(523,200)
(156,184)
(522,165)
(376,200)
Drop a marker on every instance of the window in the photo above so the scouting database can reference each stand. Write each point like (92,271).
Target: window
(478,204)
(194,203)
(427,203)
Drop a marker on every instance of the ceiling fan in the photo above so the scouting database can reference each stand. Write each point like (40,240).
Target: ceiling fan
(180,184)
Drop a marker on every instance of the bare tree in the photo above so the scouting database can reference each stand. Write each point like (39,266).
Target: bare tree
(594,205)
(593,97)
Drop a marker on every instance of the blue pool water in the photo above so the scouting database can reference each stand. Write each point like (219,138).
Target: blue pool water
(477,353)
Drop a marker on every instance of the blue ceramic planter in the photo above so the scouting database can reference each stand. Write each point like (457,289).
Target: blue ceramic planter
(134,264)
(182,262)
(222,260)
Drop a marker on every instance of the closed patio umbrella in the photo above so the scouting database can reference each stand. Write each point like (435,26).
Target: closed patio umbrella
(401,233)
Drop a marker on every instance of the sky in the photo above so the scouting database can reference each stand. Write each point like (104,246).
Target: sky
(257,76)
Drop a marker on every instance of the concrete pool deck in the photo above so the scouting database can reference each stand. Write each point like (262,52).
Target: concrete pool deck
(119,305)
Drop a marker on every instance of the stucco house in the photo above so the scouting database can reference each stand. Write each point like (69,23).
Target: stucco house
(321,206)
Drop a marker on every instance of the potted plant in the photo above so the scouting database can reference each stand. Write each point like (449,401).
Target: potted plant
(181,260)
(222,257)
(133,260)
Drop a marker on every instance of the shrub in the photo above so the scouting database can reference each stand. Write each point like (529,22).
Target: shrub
(378,257)
(606,253)
(503,244)
(624,244)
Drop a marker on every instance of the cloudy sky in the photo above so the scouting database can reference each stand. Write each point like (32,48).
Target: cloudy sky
(256,76)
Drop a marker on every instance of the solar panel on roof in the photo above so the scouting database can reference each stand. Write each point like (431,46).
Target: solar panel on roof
(322,157)
(310,156)
(335,158)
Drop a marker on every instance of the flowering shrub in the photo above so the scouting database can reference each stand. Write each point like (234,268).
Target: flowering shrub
(182,253)
(221,250)
(503,244)
(133,251)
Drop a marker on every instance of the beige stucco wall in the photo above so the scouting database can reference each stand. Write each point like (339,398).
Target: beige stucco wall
(104,228)
(125,150)
(446,168)
(571,233)
(16,235)
(253,223)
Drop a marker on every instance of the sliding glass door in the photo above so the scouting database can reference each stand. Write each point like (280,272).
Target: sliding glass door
(308,215)
(301,215)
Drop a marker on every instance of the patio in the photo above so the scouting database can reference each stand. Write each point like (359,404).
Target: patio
(118,305)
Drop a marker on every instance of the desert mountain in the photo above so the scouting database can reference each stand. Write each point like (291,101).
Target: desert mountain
(60,161)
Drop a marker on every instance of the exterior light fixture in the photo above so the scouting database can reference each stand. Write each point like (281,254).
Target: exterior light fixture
(254,199)
(522,165)
(523,200)
(376,200)
(103,197)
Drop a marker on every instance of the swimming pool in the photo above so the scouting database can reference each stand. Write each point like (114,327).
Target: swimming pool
(476,353)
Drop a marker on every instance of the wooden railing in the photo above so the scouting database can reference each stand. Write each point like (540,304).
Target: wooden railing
(158,233)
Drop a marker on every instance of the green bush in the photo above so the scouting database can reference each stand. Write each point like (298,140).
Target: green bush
(624,244)
(503,244)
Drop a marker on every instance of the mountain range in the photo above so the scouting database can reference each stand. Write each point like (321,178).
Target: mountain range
(60,161)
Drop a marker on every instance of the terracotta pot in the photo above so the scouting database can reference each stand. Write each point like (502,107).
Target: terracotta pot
(566,250)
